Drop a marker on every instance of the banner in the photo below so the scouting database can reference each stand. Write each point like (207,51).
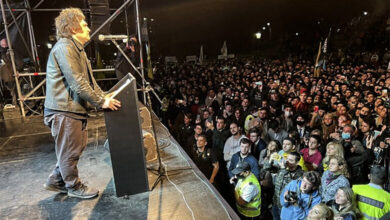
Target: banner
(170,59)
(192,58)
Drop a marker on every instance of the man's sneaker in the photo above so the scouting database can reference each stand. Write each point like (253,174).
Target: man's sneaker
(83,192)
(56,188)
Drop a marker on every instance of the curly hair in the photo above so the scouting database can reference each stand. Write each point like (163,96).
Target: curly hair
(68,21)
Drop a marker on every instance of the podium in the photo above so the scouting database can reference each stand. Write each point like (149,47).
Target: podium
(126,140)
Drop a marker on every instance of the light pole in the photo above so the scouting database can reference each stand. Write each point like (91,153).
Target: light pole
(270,30)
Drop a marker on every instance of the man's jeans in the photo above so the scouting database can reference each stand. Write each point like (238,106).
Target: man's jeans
(70,136)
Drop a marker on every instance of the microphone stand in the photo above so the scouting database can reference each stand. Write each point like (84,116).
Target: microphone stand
(161,170)
(136,70)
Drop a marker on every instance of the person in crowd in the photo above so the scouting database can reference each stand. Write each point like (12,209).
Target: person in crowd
(278,160)
(265,155)
(301,127)
(275,133)
(312,155)
(244,155)
(290,171)
(367,134)
(333,148)
(299,196)
(7,79)
(185,130)
(334,178)
(219,135)
(287,122)
(320,211)
(344,205)
(238,118)
(122,66)
(205,159)
(258,144)
(190,145)
(358,157)
(263,122)
(372,200)
(382,119)
(232,144)
(70,86)
(247,191)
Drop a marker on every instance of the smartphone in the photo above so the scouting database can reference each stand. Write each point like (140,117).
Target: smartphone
(259,83)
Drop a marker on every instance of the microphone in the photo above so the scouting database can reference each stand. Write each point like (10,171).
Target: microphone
(112,37)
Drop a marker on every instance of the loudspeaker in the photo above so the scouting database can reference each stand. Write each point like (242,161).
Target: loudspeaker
(99,13)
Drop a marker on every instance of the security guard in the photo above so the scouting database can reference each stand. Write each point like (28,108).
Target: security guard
(247,191)
(372,200)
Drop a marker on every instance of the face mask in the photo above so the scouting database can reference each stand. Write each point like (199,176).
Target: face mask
(196,101)
(288,114)
(345,136)
(300,123)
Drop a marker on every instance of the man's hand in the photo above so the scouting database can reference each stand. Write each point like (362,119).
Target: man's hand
(110,103)
(233,180)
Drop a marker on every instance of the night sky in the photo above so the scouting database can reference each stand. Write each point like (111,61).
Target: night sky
(180,27)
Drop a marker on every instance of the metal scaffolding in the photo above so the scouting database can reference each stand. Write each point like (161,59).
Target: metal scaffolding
(22,98)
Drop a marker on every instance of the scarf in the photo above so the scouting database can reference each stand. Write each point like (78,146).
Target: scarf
(331,176)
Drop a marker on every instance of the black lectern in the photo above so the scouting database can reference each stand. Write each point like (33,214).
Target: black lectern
(126,141)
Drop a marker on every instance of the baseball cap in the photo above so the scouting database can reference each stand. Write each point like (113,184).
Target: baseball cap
(241,167)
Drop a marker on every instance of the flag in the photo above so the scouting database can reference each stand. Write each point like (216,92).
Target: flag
(149,60)
(201,55)
(224,51)
(322,62)
(317,66)
(326,42)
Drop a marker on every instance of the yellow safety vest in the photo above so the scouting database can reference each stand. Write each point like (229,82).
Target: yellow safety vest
(373,203)
(251,209)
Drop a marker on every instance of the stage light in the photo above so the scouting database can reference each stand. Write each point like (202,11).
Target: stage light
(296,34)
(365,13)
(263,28)
(49,45)
(268,24)
(115,54)
(151,19)
(258,35)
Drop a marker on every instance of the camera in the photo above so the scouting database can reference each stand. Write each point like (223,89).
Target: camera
(291,197)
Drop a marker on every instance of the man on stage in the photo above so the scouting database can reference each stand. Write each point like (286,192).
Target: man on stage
(70,86)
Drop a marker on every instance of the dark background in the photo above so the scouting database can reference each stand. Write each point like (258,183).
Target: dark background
(180,27)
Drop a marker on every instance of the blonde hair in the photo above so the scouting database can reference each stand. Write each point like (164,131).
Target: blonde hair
(322,212)
(68,21)
(341,162)
(339,151)
(351,208)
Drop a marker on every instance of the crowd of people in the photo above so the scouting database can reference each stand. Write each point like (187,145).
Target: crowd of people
(314,146)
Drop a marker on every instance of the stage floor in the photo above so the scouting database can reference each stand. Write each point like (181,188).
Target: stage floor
(27,157)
